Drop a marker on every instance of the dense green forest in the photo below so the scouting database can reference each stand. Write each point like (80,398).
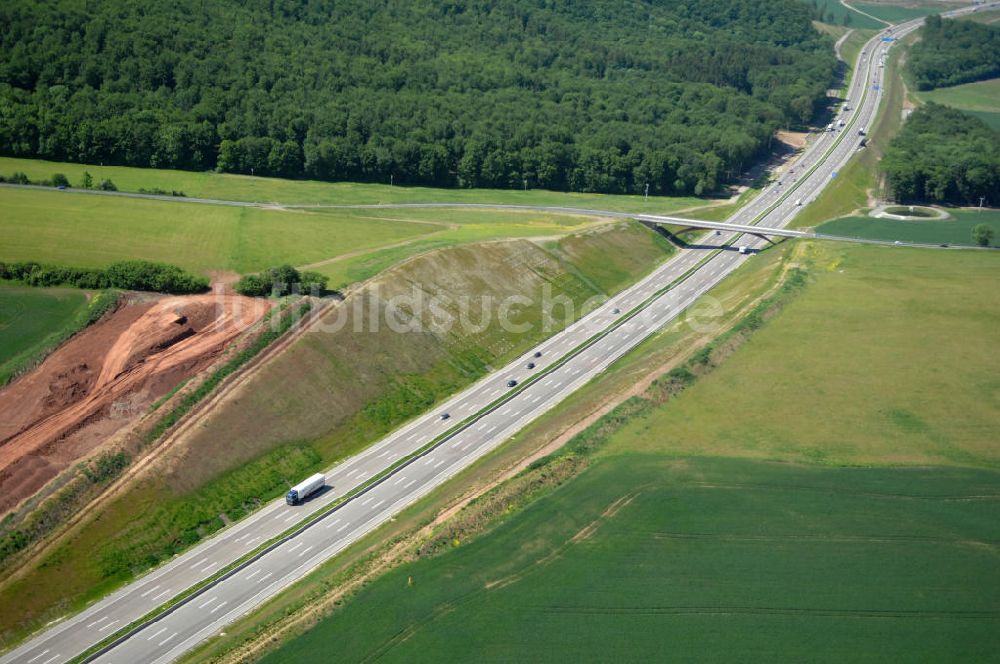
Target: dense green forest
(954,52)
(942,155)
(590,95)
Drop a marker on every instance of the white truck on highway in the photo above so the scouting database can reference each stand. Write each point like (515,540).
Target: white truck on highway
(304,489)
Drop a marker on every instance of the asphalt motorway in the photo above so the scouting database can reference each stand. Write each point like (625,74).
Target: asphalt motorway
(480,418)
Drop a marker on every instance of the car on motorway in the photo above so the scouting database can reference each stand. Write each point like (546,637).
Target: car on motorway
(616,310)
(511,383)
(531,365)
(445,416)
(538,353)
(798,202)
(744,249)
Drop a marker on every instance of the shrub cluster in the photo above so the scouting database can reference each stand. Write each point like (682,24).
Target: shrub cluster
(281,280)
(129,275)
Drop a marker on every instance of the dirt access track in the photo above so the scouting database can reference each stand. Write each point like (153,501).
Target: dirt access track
(106,377)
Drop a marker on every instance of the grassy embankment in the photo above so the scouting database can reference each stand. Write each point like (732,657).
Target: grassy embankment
(33,321)
(327,396)
(735,517)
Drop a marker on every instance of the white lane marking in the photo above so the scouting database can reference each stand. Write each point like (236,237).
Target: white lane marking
(505,410)
(356,470)
(242,537)
(197,564)
(41,654)
(251,541)
(51,659)
(265,577)
(97,622)
(295,546)
(333,523)
(492,429)
(153,636)
(255,573)
(153,589)
(411,483)
(392,457)
(377,504)
(367,500)
(208,567)
(167,640)
(342,527)
(438,464)
(305,551)
(536,399)
(219,606)
(113,622)
(362,476)
(411,437)
(382,455)
(401,478)
(210,600)
(163,594)
(292,517)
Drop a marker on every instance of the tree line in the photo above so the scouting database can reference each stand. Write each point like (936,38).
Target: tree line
(595,95)
(942,155)
(954,52)
(128,275)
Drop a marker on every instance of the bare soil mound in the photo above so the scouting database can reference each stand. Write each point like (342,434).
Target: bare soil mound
(104,378)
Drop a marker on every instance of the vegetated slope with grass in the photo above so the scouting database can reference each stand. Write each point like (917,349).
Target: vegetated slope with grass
(30,319)
(230,186)
(592,96)
(684,534)
(900,12)
(956,231)
(702,559)
(332,392)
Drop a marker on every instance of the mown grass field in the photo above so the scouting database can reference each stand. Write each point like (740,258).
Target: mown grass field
(980,99)
(957,231)
(643,559)
(289,192)
(347,245)
(31,316)
(828,492)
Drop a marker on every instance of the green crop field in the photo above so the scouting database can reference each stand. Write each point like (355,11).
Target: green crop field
(31,316)
(898,13)
(827,493)
(980,99)
(348,245)
(647,559)
(289,192)
(951,231)
(836,13)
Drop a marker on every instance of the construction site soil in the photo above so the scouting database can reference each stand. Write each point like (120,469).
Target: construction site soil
(106,377)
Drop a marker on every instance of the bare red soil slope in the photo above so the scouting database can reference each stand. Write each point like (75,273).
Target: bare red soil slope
(104,378)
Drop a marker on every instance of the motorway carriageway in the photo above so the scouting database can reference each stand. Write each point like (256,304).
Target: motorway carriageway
(482,417)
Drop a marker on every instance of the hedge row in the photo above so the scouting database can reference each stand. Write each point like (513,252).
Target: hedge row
(128,275)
